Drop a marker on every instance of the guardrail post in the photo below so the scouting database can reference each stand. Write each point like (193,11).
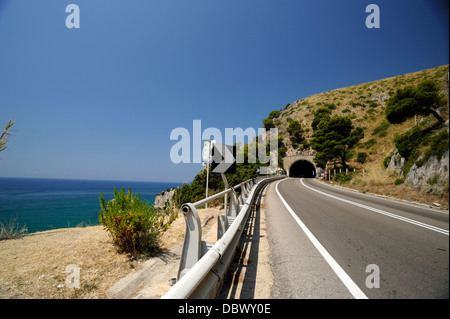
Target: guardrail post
(244,191)
(241,198)
(192,240)
(234,205)
(208,270)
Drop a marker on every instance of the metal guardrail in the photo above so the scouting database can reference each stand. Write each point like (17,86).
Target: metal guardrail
(203,264)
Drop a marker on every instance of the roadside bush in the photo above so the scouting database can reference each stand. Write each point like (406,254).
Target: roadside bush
(343,178)
(134,225)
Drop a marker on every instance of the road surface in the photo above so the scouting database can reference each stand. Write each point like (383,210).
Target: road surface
(326,242)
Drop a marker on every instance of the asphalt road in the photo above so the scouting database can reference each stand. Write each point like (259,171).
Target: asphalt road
(327,242)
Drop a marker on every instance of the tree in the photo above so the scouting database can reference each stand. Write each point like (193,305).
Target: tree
(422,99)
(268,122)
(323,113)
(5,135)
(295,131)
(333,138)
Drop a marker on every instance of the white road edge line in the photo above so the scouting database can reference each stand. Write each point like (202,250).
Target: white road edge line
(379,211)
(346,280)
(393,200)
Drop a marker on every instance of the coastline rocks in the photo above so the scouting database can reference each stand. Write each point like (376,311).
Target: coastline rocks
(163,198)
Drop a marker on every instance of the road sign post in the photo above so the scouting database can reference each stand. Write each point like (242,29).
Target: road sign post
(207,146)
(224,162)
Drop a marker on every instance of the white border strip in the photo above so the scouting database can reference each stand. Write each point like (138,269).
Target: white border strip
(379,211)
(386,198)
(348,282)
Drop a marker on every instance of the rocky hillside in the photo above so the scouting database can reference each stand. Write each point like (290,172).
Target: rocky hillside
(420,176)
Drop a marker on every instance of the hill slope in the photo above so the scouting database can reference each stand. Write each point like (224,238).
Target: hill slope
(365,104)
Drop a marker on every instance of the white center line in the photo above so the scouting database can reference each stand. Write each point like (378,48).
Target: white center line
(347,281)
(379,211)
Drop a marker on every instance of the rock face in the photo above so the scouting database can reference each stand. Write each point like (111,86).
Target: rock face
(396,163)
(163,198)
(431,177)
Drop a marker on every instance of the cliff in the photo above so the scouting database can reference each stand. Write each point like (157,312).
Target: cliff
(164,198)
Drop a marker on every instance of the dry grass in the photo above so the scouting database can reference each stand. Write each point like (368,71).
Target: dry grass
(12,230)
(377,180)
(356,102)
(34,266)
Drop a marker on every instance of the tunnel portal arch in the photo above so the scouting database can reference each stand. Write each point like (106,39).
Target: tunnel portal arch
(302,168)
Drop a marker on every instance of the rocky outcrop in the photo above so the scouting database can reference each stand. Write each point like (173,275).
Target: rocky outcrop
(379,97)
(396,163)
(163,198)
(431,177)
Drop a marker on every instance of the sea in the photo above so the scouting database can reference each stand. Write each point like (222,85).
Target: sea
(45,204)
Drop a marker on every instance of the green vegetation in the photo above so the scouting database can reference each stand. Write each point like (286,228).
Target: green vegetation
(433,180)
(387,110)
(322,113)
(315,123)
(362,157)
(296,132)
(368,144)
(438,145)
(420,140)
(343,178)
(5,135)
(134,225)
(422,99)
(268,122)
(381,129)
(408,142)
(11,230)
(334,137)
(196,190)
(190,193)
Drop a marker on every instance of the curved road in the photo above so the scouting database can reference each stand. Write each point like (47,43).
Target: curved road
(332,243)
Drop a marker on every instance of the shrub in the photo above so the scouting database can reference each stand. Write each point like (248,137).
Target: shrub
(343,178)
(386,161)
(399,181)
(362,157)
(433,180)
(438,146)
(409,141)
(12,230)
(134,225)
(268,122)
(382,128)
(296,132)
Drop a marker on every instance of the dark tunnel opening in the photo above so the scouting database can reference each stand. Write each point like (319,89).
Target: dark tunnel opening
(302,168)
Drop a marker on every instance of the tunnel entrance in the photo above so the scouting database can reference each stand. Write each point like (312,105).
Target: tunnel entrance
(302,168)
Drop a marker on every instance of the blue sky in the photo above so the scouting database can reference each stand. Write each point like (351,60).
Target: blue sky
(100,102)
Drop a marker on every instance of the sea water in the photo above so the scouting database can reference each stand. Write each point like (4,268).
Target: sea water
(44,204)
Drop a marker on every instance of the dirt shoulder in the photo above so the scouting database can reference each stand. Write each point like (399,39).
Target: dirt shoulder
(34,266)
